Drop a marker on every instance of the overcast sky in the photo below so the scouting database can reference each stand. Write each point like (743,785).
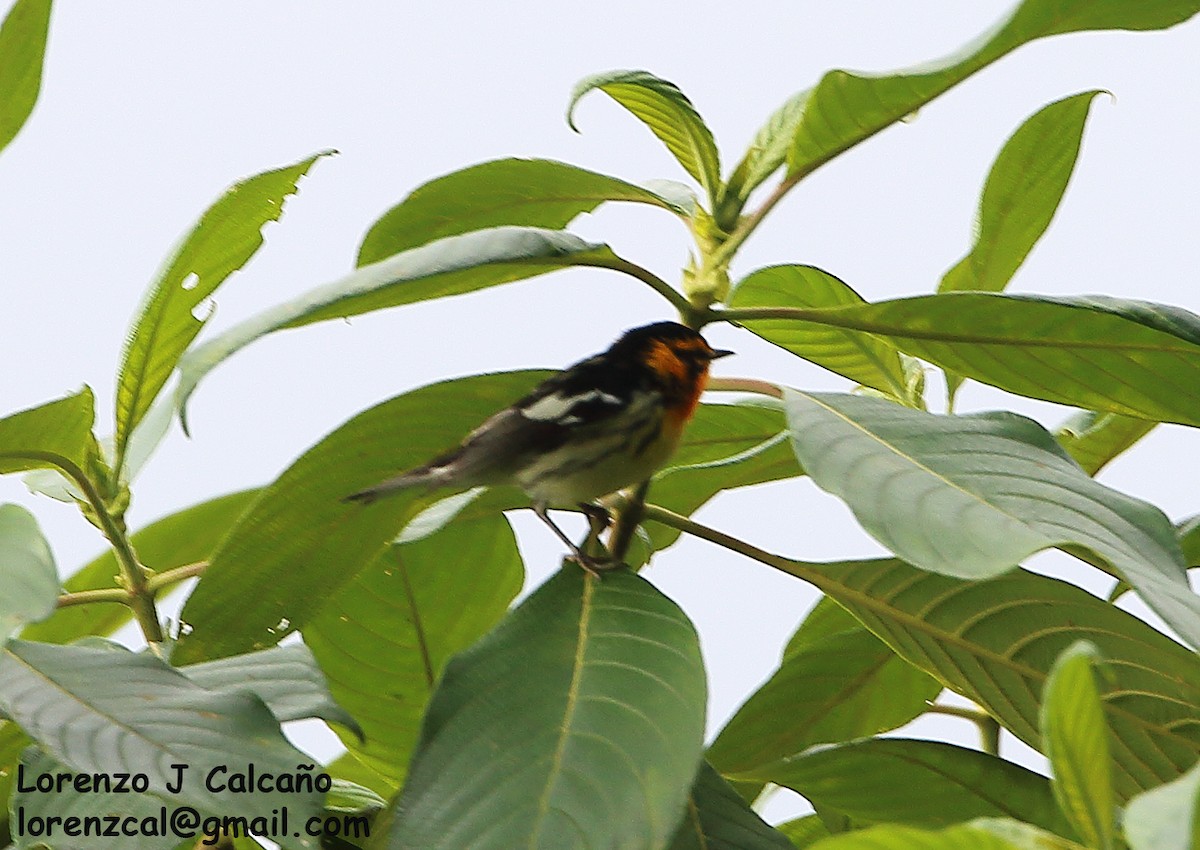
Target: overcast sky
(148,111)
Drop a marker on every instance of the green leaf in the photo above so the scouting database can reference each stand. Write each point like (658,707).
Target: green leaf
(279,553)
(221,242)
(27,571)
(846,108)
(450,266)
(22,45)
(286,678)
(1076,743)
(100,711)
(57,434)
(716,818)
(973,496)
(980,834)
(668,114)
(1094,439)
(1022,193)
(1167,817)
(838,684)
(182,538)
(529,192)
(995,642)
(399,620)
(577,723)
(858,356)
(1188,534)
(1094,352)
(804,832)
(767,152)
(916,783)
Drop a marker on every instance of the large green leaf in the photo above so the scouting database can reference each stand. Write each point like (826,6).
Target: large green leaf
(1021,195)
(104,711)
(577,723)
(54,435)
(1075,737)
(973,496)
(1094,439)
(858,356)
(224,239)
(979,834)
(1167,817)
(27,571)
(845,108)
(918,783)
(399,620)
(22,45)
(669,115)
(182,538)
(995,642)
(530,192)
(450,266)
(1094,352)
(718,819)
(282,552)
(836,682)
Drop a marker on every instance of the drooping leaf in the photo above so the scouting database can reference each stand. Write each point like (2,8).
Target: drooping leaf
(529,192)
(669,115)
(577,723)
(1094,352)
(450,266)
(1166,817)
(1075,737)
(858,356)
(22,47)
(286,678)
(1094,439)
(767,152)
(27,571)
(57,434)
(224,239)
(399,621)
(716,818)
(916,783)
(979,834)
(182,538)
(846,108)
(1022,193)
(279,553)
(100,711)
(838,684)
(972,496)
(995,642)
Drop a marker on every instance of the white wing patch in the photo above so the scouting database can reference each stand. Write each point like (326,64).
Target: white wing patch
(558,407)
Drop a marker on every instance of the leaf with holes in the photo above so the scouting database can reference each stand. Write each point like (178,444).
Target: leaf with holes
(399,621)
(27,571)
(578,722)
(22,50)
(669,115)
(222,241)
(718,819)
(973,496)
(529,192)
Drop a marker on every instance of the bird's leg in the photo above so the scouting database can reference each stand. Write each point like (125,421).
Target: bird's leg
(589,563)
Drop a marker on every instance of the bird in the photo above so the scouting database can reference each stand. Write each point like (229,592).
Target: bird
(601,425)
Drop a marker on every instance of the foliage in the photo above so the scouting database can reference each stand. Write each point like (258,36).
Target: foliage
(575,718)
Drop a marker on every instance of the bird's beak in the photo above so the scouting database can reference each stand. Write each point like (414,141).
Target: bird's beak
(719,353)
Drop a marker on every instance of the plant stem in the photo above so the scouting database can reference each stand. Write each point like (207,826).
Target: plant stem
(668,517)
(86,597)
(742,232)
(686,311)
(745,385)
(631,513)
(989,727)
(158,581)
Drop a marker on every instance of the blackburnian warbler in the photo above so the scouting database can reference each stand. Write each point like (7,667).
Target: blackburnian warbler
(603,424)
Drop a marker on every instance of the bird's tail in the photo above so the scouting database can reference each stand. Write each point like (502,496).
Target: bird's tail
(430,475)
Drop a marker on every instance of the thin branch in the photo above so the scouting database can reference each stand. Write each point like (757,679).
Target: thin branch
(158,581)
(681,304)
(631,513)
(669,517)
(744,385)
(989,727)
(86,597)
(750,223)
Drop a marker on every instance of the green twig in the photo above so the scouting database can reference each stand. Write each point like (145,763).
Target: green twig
(686,311)
(86,597)
(989,727)
(158,581)
(750,223)
(631,513)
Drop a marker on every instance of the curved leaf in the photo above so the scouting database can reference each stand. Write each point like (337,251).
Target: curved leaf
(279,553)
(846,108)
(972,496)
(667,112)
(916,783)
(1094,439)
(1021,195)
(716,818)
(450,266)
(399,620)
(1167,817)
(1076,743)
(57,434)
(837,682)
(995,642)
(577,723)
(858,356)
(22,49)
(27,571)
(221,242)
(529,192)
